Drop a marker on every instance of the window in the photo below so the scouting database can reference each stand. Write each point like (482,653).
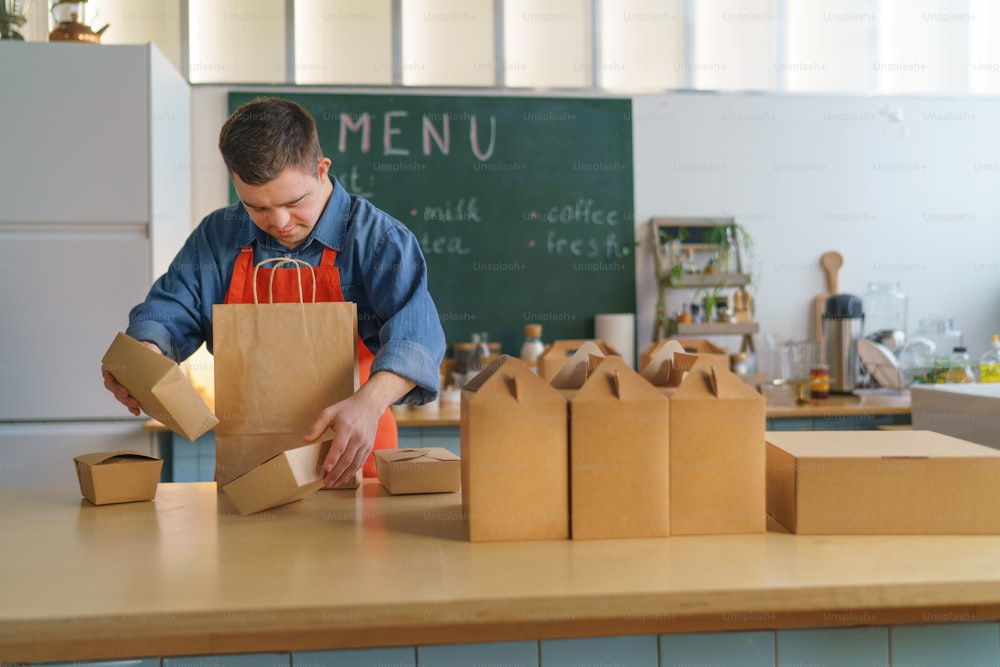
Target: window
(343,42)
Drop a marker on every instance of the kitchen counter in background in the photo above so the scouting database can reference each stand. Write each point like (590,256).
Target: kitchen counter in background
(860,408)
(186,575)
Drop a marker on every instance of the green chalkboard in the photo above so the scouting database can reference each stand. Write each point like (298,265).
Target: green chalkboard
(523,206)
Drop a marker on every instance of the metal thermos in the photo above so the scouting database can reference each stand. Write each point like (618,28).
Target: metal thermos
(842,324)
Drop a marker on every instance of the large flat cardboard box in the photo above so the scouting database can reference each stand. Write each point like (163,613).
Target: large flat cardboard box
(515,455)
(690,345)
(284,478)
(122,476)
(967,411)
(882,482)
(418,470)
(717,453)
(160,386)
(619,455)
(557,354)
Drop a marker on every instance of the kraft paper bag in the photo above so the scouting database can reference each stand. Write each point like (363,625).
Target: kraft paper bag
(277,365)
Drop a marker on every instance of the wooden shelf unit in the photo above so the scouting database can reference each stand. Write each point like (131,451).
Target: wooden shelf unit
(664,246)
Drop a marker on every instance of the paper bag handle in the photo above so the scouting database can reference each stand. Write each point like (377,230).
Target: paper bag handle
(279,262)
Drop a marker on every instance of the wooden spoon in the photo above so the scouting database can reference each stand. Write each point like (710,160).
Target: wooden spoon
(831,262)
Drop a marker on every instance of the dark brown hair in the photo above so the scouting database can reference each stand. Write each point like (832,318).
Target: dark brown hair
(264,137)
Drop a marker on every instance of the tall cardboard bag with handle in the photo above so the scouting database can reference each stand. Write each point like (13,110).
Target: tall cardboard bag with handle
(277,365)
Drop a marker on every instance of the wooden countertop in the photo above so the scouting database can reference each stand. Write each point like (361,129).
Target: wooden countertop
(850,405)
(186,575)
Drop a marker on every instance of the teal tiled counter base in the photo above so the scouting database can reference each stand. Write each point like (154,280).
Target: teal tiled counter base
(187,461)
(865,422)
(945,645)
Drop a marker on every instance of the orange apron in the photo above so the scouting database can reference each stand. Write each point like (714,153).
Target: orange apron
(286,290)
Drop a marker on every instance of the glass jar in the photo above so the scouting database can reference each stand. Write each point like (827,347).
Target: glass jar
(819,382)
(942,333)
(960,367)
(885,308)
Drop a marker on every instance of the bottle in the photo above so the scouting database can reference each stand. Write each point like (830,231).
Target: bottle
(989,363)
(960,367)
(483,351)
(533,345)
(473,367)
(729,254)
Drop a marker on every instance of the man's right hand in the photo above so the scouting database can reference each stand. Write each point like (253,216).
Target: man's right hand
(120,392)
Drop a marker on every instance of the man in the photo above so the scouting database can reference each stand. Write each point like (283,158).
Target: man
(291,206)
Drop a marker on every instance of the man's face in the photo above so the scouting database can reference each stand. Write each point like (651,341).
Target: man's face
(289,206)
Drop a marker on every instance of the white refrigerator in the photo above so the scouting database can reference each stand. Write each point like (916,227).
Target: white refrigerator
(94,202)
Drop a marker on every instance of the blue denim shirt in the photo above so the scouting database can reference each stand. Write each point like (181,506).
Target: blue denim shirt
(381,267)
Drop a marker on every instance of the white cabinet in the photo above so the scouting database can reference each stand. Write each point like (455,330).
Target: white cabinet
(64,294)
(95,136)
(75,133)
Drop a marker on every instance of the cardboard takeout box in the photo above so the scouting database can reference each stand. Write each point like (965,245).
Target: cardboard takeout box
(698,346)
(515,451)
(717,451)
(162,389)
(418,470)
(122,476)
(619,455)
(559,352)
(882,482)
(284,478)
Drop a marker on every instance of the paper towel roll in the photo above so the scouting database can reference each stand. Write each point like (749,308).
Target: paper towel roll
(618,331)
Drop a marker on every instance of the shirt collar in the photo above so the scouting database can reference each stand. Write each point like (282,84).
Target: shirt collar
(329,229)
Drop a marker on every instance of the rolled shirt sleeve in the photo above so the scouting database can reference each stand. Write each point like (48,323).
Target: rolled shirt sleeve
(411,341)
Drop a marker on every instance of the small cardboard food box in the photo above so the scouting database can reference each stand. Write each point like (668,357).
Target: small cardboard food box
(559,352)
(882,482)
(352,483)
(418,470)
(123,476)
(619,455)
(286,477)
(698,346)
(515,455)
(717,452)
(162,389)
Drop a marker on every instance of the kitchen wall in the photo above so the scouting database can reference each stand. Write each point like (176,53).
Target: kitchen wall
(902,187)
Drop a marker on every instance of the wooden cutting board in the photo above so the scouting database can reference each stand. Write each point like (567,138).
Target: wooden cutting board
(831,262)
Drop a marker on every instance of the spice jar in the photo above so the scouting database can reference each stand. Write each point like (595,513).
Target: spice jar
(722,310)
(819,382)
(739,364)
